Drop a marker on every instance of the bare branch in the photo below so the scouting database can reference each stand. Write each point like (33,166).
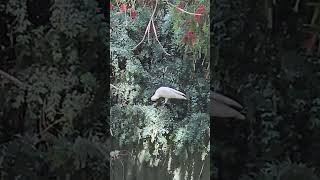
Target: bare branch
(296,6)
(201,171)
(182,10)
(51,125)
(144,36)
(151,21)
(155,33)
(13,79)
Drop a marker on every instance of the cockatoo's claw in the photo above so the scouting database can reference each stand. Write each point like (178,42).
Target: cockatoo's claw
(168,106)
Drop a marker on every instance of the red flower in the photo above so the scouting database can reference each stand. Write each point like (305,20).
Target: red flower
(189,35)
(201,9)
(310,42)
(192,37)
(184,39)
(110,6)
(123,7)
(133,14)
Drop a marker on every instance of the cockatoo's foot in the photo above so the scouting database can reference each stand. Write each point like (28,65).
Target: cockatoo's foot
(168,105)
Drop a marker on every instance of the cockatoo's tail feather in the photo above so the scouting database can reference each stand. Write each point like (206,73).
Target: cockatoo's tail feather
(221,110)
(225,100)
(178,92)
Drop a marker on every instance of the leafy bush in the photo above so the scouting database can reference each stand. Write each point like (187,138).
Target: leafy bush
(167,137)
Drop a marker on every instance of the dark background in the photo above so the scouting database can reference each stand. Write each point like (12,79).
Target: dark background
(54,89)
(274,72)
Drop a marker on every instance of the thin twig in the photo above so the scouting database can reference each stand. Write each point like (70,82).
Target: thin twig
(155,33)
(114,86)
(182,10)
(201,171)
(148,27)
(296,6)
(151,22)
(144,36)
(313,4)
(208,71)
(122,170)
(51,125)
(125,17)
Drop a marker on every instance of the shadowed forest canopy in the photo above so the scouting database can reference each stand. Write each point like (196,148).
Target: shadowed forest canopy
(266,55)
(53,116)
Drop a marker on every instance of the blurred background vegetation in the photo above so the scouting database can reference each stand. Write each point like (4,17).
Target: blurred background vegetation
(266,55)
(53,90)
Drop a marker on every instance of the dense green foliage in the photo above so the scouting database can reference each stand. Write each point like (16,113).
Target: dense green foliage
(276,76)
(53,100)
(174,136)
(52,110)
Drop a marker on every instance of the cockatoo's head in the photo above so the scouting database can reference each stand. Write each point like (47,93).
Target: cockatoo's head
(154,98)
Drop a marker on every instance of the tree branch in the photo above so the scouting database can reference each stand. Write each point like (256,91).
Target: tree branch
(182,10)
(13,79)
(151,22)
(51,125)
(155,33)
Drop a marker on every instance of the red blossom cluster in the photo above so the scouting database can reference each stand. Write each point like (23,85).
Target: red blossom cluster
(133,14)
(201,9)
(123,8)
(189,35)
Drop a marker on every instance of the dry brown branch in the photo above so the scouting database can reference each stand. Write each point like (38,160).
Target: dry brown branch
(147,31)
(144,36)
(155,33)
(151,22)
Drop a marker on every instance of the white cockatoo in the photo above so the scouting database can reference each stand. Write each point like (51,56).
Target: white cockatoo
(167,93)
(220,107)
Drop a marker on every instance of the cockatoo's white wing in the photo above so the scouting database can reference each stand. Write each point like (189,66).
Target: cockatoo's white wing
(170,93)
(167,93)
(221,110)
(225,100)
(219,107)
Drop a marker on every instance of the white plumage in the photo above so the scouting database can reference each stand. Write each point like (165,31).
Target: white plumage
(220,107)
(219,103)
(167,93)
